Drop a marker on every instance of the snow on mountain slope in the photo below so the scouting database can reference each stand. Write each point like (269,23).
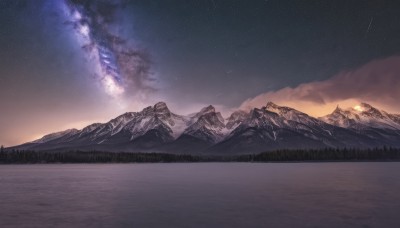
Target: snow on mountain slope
(290,114)
(207,125)
(57,135)
(89,128)
(157,116)
(275,117)
(115,125)
(276,127)
(235,119)
(362,116)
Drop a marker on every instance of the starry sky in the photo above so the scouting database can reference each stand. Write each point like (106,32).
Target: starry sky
(68,63)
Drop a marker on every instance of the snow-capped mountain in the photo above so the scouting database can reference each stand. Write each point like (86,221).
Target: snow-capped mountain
(208,125)
(377,125)
(271,127)
(363,116)
(277,127)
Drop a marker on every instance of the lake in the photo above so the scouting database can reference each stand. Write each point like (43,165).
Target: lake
(341,194)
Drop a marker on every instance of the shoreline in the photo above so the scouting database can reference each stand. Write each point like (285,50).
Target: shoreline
(283,156)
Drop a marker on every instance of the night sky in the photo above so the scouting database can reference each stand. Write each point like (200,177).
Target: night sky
(69,63)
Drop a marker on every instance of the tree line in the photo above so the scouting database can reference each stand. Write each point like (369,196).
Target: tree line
(26,157)
(329,154)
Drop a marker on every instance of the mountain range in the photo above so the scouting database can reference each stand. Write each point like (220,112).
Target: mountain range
(271,127)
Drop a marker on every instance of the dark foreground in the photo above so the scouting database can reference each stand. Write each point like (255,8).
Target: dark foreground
(339,194)
(32,157)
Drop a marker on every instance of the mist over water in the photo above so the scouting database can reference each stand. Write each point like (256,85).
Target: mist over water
(201,195)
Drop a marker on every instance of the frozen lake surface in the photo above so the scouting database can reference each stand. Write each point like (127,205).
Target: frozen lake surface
(201,195)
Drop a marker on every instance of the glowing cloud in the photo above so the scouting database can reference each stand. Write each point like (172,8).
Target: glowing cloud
(376,82)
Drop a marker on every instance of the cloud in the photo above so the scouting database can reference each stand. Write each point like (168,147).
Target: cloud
(377,82)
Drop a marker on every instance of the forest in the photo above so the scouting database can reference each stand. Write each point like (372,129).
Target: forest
(328,154)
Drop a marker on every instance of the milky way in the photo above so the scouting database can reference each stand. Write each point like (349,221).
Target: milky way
(120,68)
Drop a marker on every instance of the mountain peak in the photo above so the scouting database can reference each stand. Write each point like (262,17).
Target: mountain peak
(365,105)
(369,110)
(338,109)
(158,108)
(280,110)
(161,107)
(207,109)
(160,104)
(272,105)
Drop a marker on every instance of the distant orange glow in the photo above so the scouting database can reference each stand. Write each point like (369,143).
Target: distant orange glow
(358,108)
